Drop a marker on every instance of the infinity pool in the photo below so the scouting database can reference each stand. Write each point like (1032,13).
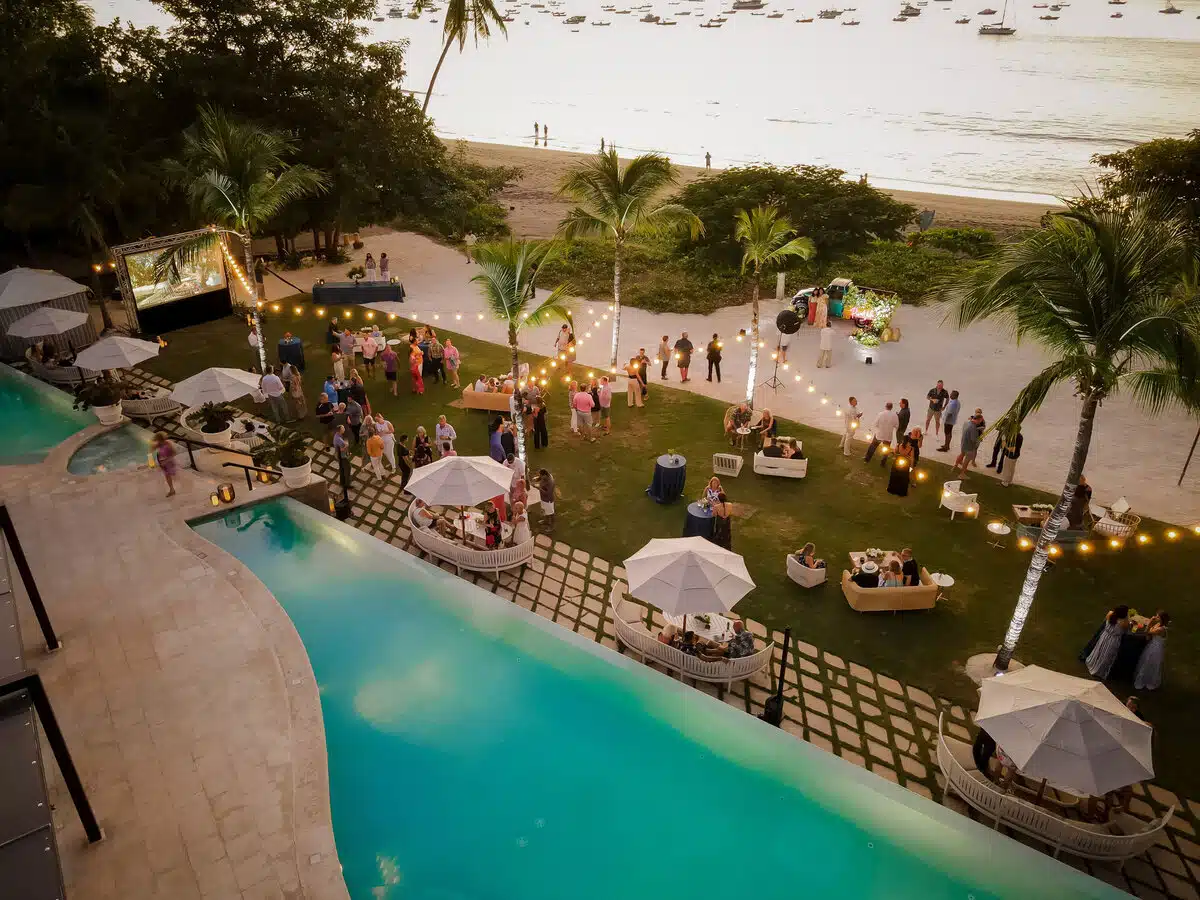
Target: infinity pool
(36,417)
(478,751)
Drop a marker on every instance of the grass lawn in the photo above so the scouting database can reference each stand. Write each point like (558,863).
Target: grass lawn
(842,505)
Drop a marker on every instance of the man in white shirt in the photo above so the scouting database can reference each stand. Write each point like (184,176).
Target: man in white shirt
(272,386)
(825,357)
(852,420)
(883,431)
(518,468)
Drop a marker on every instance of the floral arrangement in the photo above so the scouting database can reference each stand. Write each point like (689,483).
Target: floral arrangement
(874,553)
(704,619)
(1042,507)
(866,338)
(872,313)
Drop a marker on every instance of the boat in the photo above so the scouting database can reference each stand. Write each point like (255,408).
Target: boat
(686,12)
(1171,9)
(804,21)
(963,21)
(1040,5)
(508,19)
(829,13)
(910,11)
(1116,2)
(667,22)
(720,20)
(576,20)
(624,12)
(748,4)
(851,22)
(710,24)
(1055,7)
(1117,16)
(395,13)
(601,24)
(379,19)
(649,18)
(1048,18)
(987,12)
(775,15)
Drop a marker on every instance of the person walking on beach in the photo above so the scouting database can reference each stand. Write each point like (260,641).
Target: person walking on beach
(713,354)
(938,398)
(707,160)
(164,457)
(664,356)
(852,419)
(825,357)
(683,356)
(949,419)
(535,133)
(545,134)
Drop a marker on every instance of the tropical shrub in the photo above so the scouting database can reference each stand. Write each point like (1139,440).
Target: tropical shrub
(972,242)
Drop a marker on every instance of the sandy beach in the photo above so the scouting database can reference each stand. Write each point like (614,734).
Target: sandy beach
(535,210)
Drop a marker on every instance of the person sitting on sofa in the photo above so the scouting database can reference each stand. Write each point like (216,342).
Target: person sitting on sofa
(792,450)
(867,576)
(480,385)
(910,567)
(806,556)
(742,642)
(669,632)
(893,577)
(771,448)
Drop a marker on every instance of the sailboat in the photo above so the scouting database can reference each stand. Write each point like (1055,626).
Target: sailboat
(1171,9)
(999,29)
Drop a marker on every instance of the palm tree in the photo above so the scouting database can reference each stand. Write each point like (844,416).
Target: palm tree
(764,235)
(463,17)
(236,180)
(621,202)
(505,278)
(1100,289)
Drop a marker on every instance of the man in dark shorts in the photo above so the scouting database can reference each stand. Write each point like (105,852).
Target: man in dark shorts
(390,362)
(937,396)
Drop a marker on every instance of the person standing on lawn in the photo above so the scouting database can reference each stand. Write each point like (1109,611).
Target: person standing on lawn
(562,340)
(437,359)
(903,414)
(605,395)
(541,437)
(582,403)
(272,386)
(451,358)
(949,419)
(296,389)
(633,384)
(369,351)
(938,398)
(883,432)
(713,355)
(546,492)
(972,433)
(683,356)
(852,420)
(390,363)
(416,360)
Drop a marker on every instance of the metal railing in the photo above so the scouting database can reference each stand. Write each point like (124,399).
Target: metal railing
(248,469)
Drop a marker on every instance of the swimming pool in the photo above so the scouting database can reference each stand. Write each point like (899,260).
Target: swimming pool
(36,417)
(121,448)
(478,751)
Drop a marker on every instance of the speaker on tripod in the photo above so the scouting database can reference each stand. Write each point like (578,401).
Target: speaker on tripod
(787,322)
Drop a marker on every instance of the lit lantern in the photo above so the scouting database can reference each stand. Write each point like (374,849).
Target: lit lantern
(214,499)
(391,317)
(554,363)
(543,382)
(97,267)
(332,505)
(264,477)
(371,314)
(320,312)
(679,356)
(921,476)
(225,491)
(591,375)
(260,304)
(563,357)
(543,372)
(901,463)
(1143,538)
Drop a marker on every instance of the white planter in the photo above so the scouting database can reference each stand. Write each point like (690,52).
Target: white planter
(108,415)
(220,437)
(295,477)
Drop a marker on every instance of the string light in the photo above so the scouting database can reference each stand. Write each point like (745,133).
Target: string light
(1024,543)
(275,307)
(797,377)
(1143,538)
(838,411)
(824,400)
(1054,549)
(458,317)
(812,388)
(371,314)
(1115,544)
(1084,547)
(297,310)
(320,312)
(1172,534)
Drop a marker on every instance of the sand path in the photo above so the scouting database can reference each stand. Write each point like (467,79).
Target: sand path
(1131,454)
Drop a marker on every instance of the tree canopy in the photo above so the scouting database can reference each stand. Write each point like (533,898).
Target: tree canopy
(1169,167)
(839,216)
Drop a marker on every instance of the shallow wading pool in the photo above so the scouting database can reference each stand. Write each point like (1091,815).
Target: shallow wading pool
(124,447)
(36,417)
(478,751)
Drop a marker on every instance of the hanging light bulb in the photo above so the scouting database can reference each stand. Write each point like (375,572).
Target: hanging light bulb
(298,310)
(812,389)
(786,367)
(320,312)
(458,317)
(824,400)
(797,378)
(838,411)
(480,317)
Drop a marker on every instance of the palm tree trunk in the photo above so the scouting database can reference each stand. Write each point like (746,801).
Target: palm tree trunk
(248,265)
(518,393)
(1049,532)
(753,375)
(436,69)
(612,363)
(107,322)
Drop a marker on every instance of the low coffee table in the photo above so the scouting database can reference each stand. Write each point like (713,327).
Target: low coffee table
(858,557)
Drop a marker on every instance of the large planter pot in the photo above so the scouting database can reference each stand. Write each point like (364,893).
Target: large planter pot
(219,437)
(108,415)
(297,476)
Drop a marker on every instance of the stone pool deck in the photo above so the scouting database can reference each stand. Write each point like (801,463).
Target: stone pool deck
(193,715)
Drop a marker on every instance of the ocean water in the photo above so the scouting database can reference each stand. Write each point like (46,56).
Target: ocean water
(923,105)
(36,418)
(478,751)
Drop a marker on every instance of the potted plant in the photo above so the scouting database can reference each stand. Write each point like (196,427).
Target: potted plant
(214,421)
(286,450)
(103,398)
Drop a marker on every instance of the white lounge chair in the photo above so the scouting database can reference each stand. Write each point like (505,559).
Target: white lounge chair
(1124,837)
(634,636)
(159,405)
(803,575)
(65,376)
(727,464)
(956,501)
(777,465)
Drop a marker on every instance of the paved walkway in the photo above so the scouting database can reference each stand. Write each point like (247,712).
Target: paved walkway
(1131,454)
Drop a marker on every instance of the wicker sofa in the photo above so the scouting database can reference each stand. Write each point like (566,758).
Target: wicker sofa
(893,599)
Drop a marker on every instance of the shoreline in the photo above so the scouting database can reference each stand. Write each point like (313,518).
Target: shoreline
(534,210)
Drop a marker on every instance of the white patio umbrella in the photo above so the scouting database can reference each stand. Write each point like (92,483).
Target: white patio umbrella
(25,287)
(683,576)
(460,481)
(215,385)
(116,352)
(46,322)
(1071,732)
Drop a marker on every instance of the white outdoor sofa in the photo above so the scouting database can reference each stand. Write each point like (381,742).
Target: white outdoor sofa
(633,635)
(777,465)
(1124,837)
(461,557)
(150,409)
(68,376)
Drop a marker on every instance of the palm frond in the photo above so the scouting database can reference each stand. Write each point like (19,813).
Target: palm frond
(555,308)
(1031,397)
(169,263)
(1160,389)
(764,236)
(505,279)
(673,218)
(581,223)
(621,199)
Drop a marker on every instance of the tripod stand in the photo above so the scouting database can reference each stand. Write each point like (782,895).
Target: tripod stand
(774,382)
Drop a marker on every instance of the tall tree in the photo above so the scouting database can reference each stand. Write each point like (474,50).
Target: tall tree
(766,239)
(620,201)
(1100,290)
(463,18)
(236,179)
(505,278)
(1170,167)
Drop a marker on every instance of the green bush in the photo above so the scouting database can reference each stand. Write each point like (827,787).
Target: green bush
(840,216)
(356,272)
(910,271)
(972,242)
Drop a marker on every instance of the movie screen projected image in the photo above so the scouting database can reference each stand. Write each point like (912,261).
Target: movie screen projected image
(205,273)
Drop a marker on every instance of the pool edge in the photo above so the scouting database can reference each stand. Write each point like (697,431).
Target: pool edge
(317,862)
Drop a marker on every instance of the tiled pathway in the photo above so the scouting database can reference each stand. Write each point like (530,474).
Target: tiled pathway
(843,707)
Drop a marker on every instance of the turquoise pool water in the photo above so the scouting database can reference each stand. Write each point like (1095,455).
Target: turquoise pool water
(35,416)
(479,751)
(121,448)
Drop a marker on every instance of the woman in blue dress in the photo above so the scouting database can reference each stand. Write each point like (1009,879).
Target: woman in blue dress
(1150,665)
(1104,654)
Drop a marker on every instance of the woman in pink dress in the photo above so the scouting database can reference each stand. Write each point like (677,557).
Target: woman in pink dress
(164,456)
(415,360)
